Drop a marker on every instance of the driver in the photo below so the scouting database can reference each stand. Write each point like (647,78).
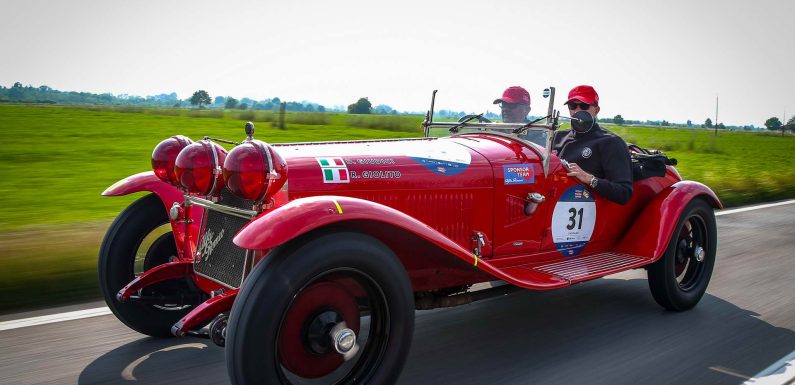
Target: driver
(514,107)
(597,157)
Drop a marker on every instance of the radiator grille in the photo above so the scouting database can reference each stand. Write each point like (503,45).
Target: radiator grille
(217,257)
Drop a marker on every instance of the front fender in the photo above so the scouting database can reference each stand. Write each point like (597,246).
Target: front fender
(652,230)
(185,233)
(146,181)
(300,216)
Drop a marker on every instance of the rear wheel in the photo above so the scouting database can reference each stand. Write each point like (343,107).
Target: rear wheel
(138,240)
(337,309)
(679,279)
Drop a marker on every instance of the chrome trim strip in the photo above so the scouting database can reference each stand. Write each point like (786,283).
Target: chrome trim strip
(234,211)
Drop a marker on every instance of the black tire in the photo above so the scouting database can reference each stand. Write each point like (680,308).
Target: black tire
(117,268)
(678,280)
(255,352)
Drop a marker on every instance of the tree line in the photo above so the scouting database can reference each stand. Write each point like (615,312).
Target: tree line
(19,93)
(775,124)
(619,120)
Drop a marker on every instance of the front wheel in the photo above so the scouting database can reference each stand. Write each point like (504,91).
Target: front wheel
(138,240)
(337,308)
(679,279)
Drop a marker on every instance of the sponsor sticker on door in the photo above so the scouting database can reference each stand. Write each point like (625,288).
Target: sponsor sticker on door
(518,173)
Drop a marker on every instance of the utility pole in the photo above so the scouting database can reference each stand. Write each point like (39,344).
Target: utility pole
(716,115)
(784,123)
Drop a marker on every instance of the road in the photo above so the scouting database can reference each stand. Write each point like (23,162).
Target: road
(608,331)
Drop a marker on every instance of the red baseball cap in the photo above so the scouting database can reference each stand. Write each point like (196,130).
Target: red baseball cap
(515,95)
(585,94)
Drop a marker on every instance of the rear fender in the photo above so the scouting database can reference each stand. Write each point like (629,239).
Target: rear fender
(651,232)
(185,232)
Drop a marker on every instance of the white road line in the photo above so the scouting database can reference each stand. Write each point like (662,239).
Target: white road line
(749,208)
(100,311)
(53,318)
(780,373)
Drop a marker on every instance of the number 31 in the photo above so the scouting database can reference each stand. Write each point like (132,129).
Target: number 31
(573,219)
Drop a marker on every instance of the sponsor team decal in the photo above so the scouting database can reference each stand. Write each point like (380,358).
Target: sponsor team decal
(573,221)
(518,173)
(334,170)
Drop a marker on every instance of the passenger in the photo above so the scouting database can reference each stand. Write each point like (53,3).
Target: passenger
(597,158)
(514,107)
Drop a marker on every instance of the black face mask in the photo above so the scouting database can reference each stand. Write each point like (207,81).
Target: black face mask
(582,122)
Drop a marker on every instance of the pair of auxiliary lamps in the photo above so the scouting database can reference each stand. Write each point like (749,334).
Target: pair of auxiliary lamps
(252,170)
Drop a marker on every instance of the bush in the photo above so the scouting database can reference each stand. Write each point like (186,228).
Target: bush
(165,111)
(386,122)
(246,115)
(129,109)
(206,114)
(253,116)
(309,118)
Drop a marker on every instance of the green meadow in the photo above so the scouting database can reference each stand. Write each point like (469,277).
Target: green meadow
(56,161)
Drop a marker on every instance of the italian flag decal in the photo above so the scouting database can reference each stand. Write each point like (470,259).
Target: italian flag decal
(334,170)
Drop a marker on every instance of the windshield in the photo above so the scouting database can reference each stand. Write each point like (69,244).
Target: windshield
(443,121)
(532,134)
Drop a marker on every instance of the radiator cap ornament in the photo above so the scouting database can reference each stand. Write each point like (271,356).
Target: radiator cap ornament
(249,130)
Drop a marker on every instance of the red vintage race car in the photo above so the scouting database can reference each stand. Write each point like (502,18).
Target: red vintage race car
(308,260)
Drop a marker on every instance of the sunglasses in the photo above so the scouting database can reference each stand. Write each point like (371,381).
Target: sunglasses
(583,106)
(509,106)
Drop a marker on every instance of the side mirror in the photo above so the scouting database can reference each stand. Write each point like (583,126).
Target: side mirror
(582,121)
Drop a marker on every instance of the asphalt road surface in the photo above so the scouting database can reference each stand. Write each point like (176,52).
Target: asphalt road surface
(608,331)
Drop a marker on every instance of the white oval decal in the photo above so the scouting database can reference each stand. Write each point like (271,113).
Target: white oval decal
(573,220)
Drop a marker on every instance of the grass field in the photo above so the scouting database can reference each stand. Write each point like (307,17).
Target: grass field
(57,160)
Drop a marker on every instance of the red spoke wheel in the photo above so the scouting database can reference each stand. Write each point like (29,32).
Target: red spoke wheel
(304,343)
(329,308)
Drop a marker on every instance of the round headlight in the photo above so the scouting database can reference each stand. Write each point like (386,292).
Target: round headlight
(198,167)
(165,155)
(254,171)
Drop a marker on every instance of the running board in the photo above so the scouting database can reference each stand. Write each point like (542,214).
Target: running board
(564,272)
(592,266)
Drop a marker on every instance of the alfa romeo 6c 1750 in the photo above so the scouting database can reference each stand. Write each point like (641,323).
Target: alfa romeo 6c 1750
(307,261)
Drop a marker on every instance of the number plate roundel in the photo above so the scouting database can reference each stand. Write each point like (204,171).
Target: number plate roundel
(573,220)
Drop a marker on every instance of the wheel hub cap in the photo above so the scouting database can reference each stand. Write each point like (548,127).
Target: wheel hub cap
(698,254)
(344,340)
(308,343)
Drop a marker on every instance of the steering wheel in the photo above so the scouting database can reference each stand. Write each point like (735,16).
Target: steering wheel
(481,119)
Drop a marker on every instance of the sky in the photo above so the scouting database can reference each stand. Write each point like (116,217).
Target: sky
(648,59)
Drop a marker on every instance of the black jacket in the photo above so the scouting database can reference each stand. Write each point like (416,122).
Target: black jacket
(601,153)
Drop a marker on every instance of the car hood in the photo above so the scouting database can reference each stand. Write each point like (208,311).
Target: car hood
(423,163)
